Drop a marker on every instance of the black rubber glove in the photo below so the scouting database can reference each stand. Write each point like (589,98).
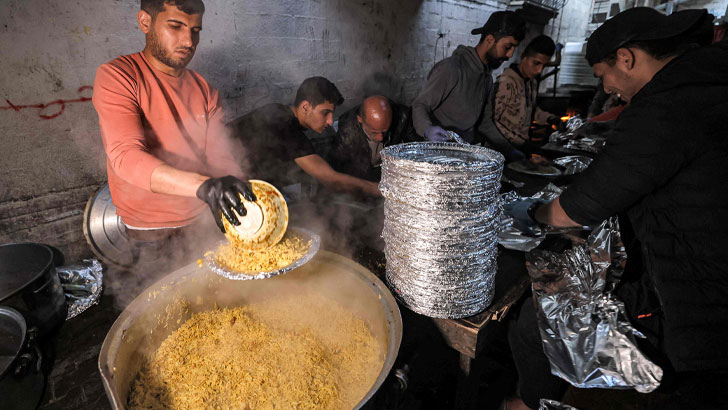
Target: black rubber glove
(222,196)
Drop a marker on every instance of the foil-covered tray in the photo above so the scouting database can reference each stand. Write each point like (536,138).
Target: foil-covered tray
(305,234)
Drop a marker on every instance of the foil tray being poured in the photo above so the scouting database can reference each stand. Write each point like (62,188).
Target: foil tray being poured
(305,234)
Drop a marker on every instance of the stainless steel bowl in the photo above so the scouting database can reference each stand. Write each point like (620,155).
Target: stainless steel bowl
(158,311)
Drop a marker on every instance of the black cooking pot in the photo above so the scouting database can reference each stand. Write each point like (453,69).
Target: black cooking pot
(29,284)
(21,379)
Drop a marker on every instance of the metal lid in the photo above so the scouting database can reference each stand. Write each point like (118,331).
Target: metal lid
(21,264)
(104,230)
(12,337)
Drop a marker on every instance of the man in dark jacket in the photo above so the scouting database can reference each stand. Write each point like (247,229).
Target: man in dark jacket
(365,130)
(663,170)
(457,94)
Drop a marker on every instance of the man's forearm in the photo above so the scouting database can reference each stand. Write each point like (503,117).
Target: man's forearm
(318,168)
(420,118)
(348,183)
(172,181)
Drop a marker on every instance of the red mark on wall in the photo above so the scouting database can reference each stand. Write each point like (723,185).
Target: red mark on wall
(51,109)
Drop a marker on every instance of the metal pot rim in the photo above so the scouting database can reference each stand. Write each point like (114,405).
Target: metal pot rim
(113,339)
(46,267)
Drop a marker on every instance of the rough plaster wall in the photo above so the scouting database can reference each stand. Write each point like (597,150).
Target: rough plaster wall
(571,23)
(254,51)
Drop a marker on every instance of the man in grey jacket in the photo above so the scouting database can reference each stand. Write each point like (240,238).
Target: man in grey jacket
(457,94)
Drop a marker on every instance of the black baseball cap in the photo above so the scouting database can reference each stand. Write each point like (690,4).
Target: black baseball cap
(506,23)
(641,24)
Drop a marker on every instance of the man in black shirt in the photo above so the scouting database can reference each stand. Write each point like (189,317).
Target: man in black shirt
(365,130)
(662,171)
(277,148)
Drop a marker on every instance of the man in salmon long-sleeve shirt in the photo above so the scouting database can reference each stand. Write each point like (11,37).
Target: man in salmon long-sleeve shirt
(163,129)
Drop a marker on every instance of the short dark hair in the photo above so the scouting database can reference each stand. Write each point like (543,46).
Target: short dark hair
(540,45)
(657,49)
(504,24)
(317,90)
(154,7)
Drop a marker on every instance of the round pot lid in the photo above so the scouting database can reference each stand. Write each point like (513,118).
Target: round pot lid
(21,264)
(104,230)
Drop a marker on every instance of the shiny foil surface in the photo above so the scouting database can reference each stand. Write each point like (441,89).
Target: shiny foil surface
(584,330)
(441,217)
(82,284)
(573,164)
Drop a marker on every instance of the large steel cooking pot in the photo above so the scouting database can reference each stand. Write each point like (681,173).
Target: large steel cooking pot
(29,284)
(154,314)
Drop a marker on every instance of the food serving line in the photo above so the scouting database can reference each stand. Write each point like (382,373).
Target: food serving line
(74,381)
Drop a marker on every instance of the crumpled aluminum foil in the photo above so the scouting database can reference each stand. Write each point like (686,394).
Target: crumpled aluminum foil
(546,404)
(82,284)
(587,144)
(520,238)
(573,164)
(584,331)
(441,214)
(574,123)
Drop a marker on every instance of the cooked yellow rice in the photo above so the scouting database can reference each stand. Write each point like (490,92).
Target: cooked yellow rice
(305,354)
(238,258)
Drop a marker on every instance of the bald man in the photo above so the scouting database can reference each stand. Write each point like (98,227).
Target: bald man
(365,130)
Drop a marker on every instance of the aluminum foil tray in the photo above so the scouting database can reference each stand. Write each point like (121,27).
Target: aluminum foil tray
(235,275)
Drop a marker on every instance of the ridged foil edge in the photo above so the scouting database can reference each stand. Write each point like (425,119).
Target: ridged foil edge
(314,247)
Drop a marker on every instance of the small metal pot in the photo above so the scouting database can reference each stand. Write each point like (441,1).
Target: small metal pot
(29,284)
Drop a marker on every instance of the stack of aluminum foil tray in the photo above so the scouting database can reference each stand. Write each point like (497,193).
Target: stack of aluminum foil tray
(441,214)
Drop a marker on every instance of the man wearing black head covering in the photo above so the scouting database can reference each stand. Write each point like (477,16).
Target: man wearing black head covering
(456,96)
(663,172)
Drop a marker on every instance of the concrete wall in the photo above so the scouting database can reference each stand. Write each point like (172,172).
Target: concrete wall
(571,23)
(254,51)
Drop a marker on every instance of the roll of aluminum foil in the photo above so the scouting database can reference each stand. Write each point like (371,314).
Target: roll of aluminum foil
(584,330)
(441,216)
(82,284)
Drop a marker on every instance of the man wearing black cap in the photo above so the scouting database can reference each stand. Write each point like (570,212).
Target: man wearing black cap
(662,171)
(456,96)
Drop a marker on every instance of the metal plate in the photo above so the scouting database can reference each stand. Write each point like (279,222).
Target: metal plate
(266,219)
(104,231)
(541,170)
(235,275)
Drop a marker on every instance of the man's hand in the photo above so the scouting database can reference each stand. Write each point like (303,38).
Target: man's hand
(222,196)
(523,211)
(437,134)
